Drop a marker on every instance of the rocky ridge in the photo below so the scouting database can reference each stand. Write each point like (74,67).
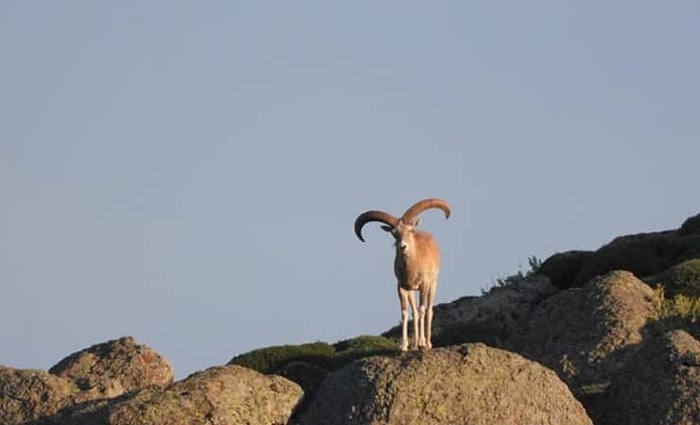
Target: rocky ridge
(583,339)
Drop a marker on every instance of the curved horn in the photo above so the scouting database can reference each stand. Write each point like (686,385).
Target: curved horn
(423,205)
(368,216)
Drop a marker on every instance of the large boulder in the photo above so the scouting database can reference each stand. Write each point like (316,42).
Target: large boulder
(643,254)
(587,334)
(114,367)
(27,394)
(467,384)
(222,395)
(562,268)
(80,382)
(660,385)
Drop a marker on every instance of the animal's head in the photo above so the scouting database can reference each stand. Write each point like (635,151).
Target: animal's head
(404,235)
(402,229)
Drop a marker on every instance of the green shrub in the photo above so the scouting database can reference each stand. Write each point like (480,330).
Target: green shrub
(271,359)
(363,346)
(319,354)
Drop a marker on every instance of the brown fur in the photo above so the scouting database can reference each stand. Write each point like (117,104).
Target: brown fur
(416,268)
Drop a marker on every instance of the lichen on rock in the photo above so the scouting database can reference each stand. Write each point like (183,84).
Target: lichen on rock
(114,367)
(28,394)
(467,384)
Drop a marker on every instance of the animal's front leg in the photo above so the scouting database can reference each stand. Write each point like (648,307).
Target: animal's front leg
(428,328)
(403,299)
(421,328)
(416,320)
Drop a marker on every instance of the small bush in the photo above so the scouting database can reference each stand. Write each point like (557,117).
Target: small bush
(679,312)
(659,300)
(568,367)
(686,307)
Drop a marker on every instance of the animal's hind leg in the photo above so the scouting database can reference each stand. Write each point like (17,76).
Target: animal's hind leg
(427,299)
(424,333)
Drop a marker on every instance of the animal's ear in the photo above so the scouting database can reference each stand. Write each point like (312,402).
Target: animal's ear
(415,222)
(387,228)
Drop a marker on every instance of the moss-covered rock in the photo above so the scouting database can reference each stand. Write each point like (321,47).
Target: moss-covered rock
(659,385)
(643,254)
(621,256)
(690,226)
(681,279)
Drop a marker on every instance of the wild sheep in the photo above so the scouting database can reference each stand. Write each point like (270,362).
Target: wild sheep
(416,266)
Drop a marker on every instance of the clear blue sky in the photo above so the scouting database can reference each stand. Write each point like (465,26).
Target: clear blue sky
(189,172)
